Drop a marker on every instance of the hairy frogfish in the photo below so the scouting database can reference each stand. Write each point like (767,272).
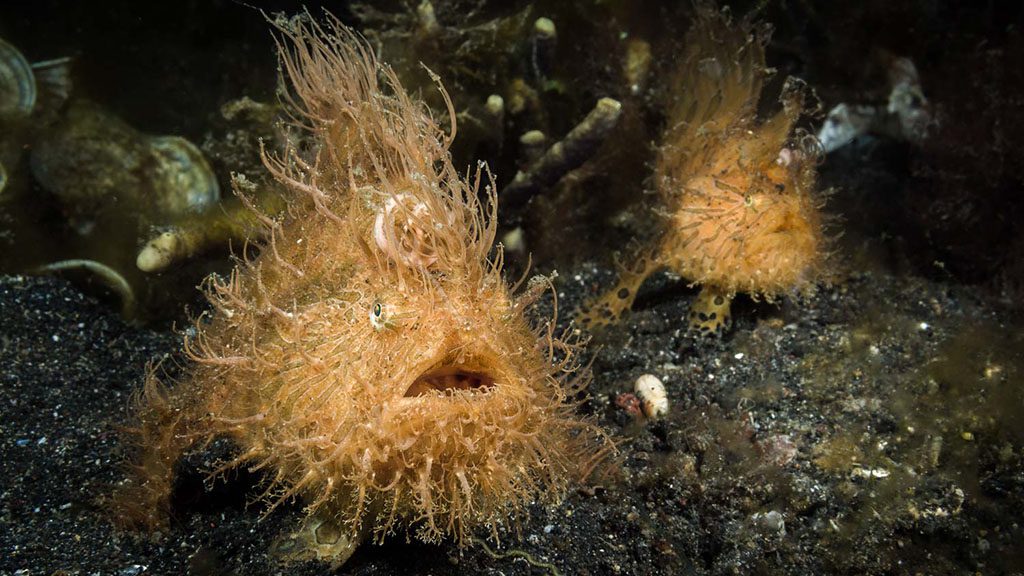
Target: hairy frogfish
(737,192)
(371,361)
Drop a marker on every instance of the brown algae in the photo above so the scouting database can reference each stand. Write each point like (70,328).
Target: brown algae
(372,360)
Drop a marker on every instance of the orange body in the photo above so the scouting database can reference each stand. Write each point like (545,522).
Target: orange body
(738,192)
(372,360)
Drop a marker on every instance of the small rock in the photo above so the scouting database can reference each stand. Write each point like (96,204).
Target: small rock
(778,449)
(771,522)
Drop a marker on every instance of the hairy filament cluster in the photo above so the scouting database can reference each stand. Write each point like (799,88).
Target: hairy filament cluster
(372,360)
(738,190)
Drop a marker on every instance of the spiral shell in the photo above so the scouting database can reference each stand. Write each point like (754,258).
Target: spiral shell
(182,178)
(96,163)
(17,83)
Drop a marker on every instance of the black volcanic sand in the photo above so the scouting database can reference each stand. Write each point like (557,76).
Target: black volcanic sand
(875,428)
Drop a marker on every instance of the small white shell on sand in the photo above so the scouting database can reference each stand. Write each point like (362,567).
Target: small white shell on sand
(653,398)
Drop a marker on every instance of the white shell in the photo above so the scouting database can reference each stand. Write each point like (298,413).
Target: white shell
(17,83)
(653,398)
(869,473)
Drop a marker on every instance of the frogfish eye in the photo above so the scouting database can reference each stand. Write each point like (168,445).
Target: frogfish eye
(377,319)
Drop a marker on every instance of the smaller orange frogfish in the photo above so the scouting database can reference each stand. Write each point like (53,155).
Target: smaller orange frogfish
(738,193)
(372,360)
